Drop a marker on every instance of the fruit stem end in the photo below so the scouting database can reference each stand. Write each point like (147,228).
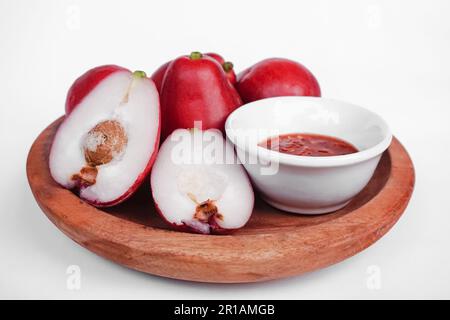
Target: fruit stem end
(195,55)
(227,66)
(139,74)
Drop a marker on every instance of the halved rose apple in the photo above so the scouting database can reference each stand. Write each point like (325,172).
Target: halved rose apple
(108,141)
(198,184)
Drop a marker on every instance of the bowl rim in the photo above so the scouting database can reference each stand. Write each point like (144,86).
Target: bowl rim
(307,161)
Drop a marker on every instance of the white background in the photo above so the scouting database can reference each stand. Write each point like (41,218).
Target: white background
(390,56)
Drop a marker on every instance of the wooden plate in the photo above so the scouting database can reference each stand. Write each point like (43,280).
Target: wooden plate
(272,245)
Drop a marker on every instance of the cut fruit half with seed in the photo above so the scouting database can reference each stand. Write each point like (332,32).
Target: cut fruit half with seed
(198,184)
(108,141)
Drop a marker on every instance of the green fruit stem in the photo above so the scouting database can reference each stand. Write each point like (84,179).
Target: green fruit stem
(227,66)
(139,74)
(195,55)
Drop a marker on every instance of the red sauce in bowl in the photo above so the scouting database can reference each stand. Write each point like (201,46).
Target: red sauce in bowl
(306,144)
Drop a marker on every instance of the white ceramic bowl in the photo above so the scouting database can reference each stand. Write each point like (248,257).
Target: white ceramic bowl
(302,184)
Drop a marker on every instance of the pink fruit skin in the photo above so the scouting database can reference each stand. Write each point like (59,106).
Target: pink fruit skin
(196,90)
(87,82)
(276,77)
(82,87)
(158,75)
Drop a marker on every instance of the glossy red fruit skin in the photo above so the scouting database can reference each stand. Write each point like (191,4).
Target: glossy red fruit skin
(196,90)
(231,75)
(158,75)
(216,57)
(87,82)
(276,77)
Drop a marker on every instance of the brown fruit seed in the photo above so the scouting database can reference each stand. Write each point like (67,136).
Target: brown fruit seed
(205,210)
(87,176)
(103,142)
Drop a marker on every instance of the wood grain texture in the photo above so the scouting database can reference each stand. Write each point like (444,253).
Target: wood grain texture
(272,245)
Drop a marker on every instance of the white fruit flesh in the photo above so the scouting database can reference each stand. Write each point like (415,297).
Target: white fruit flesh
(180,183)
(126,99)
